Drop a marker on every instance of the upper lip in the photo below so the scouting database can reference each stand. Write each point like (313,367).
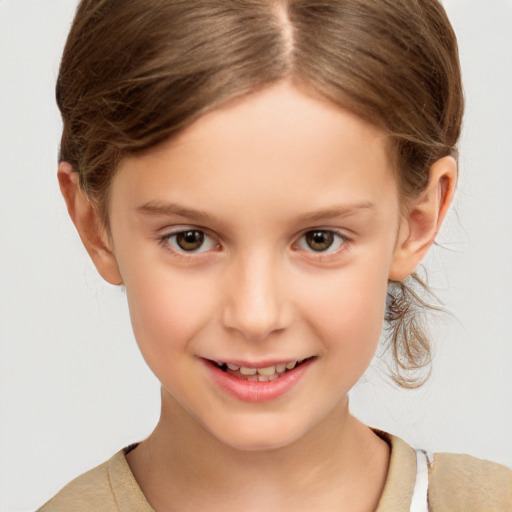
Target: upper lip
(258,364)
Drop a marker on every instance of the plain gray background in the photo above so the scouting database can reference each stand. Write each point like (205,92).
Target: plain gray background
(74,389)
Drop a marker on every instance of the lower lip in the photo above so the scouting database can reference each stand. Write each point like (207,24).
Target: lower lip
(254,391)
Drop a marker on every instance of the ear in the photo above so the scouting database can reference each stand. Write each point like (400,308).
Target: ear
(423,219)
(85,218)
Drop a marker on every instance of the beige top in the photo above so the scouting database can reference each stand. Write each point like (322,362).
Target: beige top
(458,483)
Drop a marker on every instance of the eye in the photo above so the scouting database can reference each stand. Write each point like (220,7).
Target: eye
(321,240)
(190,240)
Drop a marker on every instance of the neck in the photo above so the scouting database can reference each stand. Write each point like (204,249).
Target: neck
(181,466)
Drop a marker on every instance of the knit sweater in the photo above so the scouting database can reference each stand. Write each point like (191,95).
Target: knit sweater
(457,483)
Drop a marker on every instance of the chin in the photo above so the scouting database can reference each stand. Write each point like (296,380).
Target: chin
(258,436)
(258,443)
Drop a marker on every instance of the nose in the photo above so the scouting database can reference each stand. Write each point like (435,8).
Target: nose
(255,303)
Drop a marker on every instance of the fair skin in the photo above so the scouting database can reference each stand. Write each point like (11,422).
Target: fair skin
(265,234)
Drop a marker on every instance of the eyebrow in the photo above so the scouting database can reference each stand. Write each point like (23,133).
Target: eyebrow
(337,211)
(161,208)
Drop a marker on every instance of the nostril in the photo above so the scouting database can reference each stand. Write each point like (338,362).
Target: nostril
(254,304)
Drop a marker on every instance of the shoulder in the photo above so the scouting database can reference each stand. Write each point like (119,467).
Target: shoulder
(90,491)
(456,483)
(463,482)
(109,487)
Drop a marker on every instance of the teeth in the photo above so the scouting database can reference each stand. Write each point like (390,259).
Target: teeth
(248,371)
(261,374)
(265,378)
(270,370)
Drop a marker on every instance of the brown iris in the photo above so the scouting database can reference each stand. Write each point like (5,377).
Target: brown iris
(190,240)
(319,240)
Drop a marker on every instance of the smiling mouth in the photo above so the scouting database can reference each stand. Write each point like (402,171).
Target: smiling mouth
(266,374)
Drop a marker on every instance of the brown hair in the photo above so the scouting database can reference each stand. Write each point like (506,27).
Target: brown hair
(135,73)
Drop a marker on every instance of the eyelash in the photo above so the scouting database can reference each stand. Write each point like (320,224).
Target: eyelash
(178,252)
(165,241)
(338,238)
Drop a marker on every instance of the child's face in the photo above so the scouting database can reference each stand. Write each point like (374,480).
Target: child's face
(263,235)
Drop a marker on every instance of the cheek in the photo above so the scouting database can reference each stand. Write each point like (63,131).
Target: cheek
(166,310)
(347,313)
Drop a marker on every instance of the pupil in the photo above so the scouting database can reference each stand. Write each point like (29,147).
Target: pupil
(190,240)
(319,240)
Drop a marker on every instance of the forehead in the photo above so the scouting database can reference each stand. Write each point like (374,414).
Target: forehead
(276,120)
(280,144)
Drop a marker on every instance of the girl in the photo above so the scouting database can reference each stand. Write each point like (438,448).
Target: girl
(264,178)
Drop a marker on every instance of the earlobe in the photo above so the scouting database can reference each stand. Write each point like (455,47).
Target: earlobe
(424,218)
(85,218)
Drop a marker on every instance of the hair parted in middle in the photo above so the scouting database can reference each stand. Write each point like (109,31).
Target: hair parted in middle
(136,73)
